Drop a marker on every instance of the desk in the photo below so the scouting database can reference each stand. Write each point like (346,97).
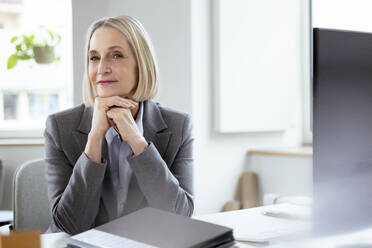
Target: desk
(244,222)
(251,220)
(361,238)
(2,172)
(252,223)
(54,240)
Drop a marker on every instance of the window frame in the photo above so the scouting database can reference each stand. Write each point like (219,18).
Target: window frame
(307,127)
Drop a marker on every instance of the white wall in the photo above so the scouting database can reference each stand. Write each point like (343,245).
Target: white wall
(220,158)
(282,175)
(349,15)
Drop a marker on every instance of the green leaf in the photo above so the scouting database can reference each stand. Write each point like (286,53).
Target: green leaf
(19,47)
(58,38)
(51,34)
(25,37)
(12,61)
(28,41)
(58,58)
(24,56)
(14,38)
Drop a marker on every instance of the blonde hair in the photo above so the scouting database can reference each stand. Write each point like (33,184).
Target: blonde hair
(141,45)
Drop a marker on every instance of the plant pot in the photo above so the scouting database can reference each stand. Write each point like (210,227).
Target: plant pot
(43,54)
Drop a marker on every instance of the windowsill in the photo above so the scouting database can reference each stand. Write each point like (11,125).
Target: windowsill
(22,142)
(13,8)
(303,151)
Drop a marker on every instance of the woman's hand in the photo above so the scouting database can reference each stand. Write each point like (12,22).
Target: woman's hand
(125,124)
(100,124)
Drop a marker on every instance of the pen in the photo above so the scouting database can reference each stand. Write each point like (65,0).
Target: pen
(278,214)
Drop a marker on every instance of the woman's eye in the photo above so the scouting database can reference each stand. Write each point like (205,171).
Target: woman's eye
(117,56)
(94,58)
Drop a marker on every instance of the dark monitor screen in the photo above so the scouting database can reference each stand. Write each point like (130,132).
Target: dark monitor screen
(342,129)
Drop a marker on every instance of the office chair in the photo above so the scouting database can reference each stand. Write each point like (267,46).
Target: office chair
(30,198)
(1,181)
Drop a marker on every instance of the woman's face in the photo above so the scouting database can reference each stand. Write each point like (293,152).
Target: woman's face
(112,66)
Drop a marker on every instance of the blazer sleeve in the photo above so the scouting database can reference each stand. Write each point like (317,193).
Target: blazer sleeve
(170,189)
(74,190)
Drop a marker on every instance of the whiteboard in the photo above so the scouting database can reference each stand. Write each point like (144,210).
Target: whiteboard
(258,63)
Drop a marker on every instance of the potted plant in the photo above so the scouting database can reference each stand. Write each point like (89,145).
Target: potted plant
(29,47)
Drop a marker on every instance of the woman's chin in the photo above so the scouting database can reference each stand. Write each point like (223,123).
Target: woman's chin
(107,94)
(112,93)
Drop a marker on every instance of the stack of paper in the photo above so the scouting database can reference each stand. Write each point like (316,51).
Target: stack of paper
(254,225)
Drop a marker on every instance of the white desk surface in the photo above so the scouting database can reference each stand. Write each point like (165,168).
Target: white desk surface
(244,222)
(251,221)
(54,240)
(6,215)
(248,223)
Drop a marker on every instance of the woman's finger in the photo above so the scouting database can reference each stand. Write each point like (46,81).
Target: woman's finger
(130,101)
(111,122)
(119,102)
(134,104)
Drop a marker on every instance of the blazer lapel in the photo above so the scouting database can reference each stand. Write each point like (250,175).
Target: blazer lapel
(155,128)
(82,131)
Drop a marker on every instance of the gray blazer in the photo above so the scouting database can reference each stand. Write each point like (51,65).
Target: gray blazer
(81,194)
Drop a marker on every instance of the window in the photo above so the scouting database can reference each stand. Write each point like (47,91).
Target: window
(32,90)
(10,106)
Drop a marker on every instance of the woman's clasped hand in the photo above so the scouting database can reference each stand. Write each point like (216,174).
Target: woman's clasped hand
(115,111)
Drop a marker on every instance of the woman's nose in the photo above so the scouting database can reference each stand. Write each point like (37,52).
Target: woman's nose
(104,67)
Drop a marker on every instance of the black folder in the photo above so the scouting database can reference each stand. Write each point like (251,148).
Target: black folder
(163,229)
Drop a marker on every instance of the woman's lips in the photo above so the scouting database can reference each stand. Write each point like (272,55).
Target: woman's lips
(106,82)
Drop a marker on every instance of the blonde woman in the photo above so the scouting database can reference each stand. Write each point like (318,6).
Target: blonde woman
(119,151)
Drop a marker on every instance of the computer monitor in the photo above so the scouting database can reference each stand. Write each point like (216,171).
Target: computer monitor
(342,130)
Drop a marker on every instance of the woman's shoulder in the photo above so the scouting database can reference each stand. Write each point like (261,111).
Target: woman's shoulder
(73,111)
(173,113)
(70,117)
(167,113)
